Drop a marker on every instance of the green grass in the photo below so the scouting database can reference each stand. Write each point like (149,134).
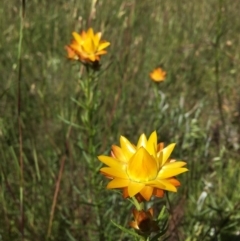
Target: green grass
(190,39)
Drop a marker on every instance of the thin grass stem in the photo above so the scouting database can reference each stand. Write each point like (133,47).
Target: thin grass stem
(217,65)
(19,104)
(54,203)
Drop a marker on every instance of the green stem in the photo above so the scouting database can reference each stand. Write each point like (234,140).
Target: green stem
(89,113)
(139,206)
(90,99)
(157,97)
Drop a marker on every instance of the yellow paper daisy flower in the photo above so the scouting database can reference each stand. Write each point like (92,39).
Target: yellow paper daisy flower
(158,75)
(87,46)
(142,170)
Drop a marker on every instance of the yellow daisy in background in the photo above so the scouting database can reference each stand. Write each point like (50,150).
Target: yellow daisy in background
(142,170)
(158,75)
(143,221)
(87,46)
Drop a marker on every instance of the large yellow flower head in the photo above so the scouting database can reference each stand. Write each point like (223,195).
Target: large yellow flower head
(87,47)
(142,170)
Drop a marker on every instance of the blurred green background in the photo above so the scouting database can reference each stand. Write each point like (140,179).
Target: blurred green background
(198,107)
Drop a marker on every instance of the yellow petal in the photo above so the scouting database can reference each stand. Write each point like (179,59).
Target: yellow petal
(103,45)
(164,184)
(163,174)
(92,57)
(101,52)
(112,172)
(77,37)
(118,153)
(90,33)
(146,192)
(142,167)
(127,147)
(176,164)
(97,38)
(165,154)
(77,48)
(118,183)
(155,183)
(168,186)
(88,46)
(111,162)
(142,141)
(134,188)
(152,144)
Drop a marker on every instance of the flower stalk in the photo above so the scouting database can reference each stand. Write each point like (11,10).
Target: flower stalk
(86,49)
